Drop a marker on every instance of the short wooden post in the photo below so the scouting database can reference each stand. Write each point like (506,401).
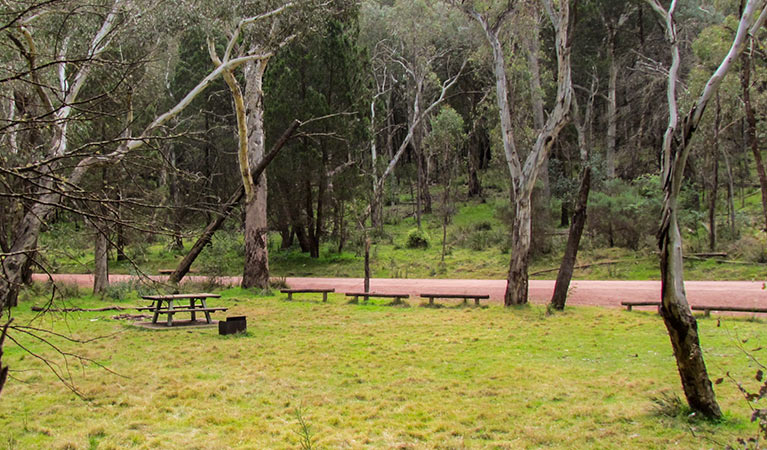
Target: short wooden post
(324,296)
(476,301)
(170,313)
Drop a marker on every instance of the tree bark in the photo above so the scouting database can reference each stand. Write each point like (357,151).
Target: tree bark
(101,258)
(567,266)
(256,270)
(517,281)
(681,324)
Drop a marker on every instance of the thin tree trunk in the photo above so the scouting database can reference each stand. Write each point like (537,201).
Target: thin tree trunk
(677,316)
(367,263)
(536,95)
(730,196)
(714,177)
(101,257)
(612,108)
(751,139)
(567,266)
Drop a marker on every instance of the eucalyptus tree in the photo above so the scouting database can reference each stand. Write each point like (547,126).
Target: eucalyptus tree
(677,316)
(524,174)
(423,43)
(425,66)
(445,139)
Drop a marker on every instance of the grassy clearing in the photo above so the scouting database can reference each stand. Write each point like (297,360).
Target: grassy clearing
(361,376)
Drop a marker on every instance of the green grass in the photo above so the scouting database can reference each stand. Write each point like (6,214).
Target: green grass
(371,376)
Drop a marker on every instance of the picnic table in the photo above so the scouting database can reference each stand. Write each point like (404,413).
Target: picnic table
(191,306)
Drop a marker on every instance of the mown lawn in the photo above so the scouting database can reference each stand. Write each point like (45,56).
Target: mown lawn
(372,376)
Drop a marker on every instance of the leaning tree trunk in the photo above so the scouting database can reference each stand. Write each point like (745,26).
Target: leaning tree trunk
(517,283)
(680,323)
(565,274)
(183,267)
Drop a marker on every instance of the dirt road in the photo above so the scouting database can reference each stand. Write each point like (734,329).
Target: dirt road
(595,293)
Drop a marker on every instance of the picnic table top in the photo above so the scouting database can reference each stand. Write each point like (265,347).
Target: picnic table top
(180,296)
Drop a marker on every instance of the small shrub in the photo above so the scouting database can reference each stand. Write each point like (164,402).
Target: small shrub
(417,239)
(67,290)
(483,226)
(750,248)
(670,405)
(278,283)
(118,291)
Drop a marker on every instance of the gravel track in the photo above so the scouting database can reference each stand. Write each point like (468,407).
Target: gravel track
(586,292)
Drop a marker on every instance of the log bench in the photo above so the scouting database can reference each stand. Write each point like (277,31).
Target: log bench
(705,308)
(465,297)
(631,304)
(708,308)
(324,292)
(398,298)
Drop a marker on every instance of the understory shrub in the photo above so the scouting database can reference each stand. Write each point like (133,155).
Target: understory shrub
(417,239)
(624,213)
(750,248)
(225,254)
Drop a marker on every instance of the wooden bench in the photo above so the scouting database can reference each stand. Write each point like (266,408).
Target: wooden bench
(705,308)
(324,292)
(630,305)
(398,298)
(708,308)
(465,297)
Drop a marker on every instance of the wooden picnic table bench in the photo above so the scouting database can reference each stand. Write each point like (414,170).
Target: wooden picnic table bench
(708,308)
(705,308)
(465,297)
(191,307)
(631,304)
(398,298)
(324,292)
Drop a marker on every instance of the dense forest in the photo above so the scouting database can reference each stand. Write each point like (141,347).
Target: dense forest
(313,126)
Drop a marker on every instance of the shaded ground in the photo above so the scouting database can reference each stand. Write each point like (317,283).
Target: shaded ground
(586,292)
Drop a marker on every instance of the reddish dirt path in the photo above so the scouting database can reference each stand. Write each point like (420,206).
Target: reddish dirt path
(594,293)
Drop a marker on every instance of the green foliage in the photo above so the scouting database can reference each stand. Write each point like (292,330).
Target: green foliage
(223,256)
(417,239)
(626,214)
